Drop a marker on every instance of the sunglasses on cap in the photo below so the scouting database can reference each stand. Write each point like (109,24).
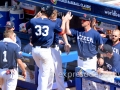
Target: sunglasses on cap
(8,28)
(84,20)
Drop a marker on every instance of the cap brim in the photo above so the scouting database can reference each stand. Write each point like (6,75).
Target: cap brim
(99,51)
(8,27)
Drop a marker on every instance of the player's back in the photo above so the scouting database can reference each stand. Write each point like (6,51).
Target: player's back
(43,31)
(8,56)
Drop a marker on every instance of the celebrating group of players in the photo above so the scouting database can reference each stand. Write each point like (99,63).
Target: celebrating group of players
(46,32)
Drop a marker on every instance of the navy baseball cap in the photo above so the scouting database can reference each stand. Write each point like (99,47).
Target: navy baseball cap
(105,49)
(9,24)
(86,17)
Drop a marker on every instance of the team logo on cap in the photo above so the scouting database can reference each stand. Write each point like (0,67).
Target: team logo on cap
(85,15)
(8,23)
(54,1)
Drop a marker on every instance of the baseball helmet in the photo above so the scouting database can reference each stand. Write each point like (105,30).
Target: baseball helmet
(48,10)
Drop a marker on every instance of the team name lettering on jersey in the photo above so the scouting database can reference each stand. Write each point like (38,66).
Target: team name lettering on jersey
(109,66)
(85,39)
(116,50)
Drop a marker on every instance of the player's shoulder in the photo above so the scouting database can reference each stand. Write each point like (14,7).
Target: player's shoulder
(11,44)
(116,56)
(14,44)
(93,30)
(1,42)
(116,45)
(33,19)
(58,19)
(119,43)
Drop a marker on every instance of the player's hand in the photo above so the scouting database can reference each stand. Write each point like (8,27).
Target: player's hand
(68,15)
(67,48)
(100,70)
(61,42)
(24,74)
(38,15)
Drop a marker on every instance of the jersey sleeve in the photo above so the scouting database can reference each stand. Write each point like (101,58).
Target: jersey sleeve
(18,53)
(57,29)
(99,39)
(28,25)
(18,41)
(59,21)
(73,32)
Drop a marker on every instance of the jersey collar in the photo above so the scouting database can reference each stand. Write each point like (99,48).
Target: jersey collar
(116,44)
(8,40)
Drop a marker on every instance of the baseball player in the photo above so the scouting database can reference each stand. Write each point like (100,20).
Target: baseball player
(112,56)
(42,38)
(115,41)
(10,26)
(111,68)
(87,40)
(56,54)
(10,57)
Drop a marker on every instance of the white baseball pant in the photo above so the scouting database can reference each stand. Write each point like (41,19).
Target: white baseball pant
(44,61)
(10,80)
(88,65)
(58,68)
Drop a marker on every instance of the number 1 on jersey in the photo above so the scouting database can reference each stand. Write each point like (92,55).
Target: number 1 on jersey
(4,59)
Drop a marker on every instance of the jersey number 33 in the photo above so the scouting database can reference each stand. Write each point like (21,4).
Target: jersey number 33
(40,30)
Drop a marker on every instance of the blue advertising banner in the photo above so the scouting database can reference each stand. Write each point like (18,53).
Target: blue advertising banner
(102,12)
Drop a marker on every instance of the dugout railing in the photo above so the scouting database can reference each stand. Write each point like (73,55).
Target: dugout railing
(77,82)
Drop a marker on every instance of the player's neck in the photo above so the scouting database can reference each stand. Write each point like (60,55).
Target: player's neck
(115,43)
(53,19)
(44,16)
(87,28)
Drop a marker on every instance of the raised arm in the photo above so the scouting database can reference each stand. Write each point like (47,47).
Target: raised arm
(67,25)
(67,45)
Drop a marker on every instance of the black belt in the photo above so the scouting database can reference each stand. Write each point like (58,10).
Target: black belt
(42,46)
(85,59)
(53,46)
